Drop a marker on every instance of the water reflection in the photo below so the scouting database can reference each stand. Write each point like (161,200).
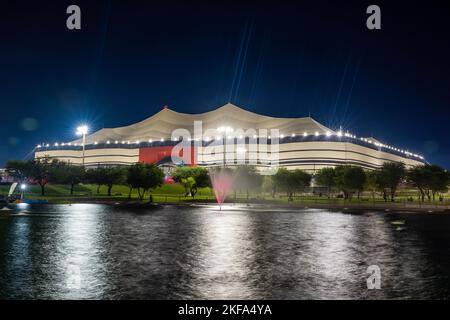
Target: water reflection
(93,251)
(226,249)
(330,253)
(79,256)
(20,261)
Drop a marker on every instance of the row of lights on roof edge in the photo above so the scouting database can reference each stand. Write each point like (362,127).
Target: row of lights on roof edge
(162,140)
(84,129)
(305,134)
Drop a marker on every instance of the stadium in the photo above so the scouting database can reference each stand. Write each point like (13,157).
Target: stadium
(226,136)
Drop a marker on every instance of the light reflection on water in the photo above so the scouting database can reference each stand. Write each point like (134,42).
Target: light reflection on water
(89,251)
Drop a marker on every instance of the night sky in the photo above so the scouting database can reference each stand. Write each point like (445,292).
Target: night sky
(290,59)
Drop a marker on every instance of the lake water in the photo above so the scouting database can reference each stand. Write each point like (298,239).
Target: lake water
(93,251)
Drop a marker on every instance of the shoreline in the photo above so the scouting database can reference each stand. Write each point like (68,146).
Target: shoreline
(344,207)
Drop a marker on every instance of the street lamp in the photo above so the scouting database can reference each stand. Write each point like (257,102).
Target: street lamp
(23,187)
(82,131)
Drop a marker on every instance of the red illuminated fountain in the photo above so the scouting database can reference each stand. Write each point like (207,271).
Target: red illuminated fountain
(222,182)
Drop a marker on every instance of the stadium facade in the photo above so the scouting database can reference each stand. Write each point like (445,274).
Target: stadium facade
(267,142)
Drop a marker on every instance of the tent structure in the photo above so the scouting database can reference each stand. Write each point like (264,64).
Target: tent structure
(302,143)
(163,123)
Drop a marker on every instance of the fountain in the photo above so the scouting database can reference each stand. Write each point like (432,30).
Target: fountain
(222,182)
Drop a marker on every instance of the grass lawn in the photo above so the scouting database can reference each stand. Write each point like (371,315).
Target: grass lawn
(165,193)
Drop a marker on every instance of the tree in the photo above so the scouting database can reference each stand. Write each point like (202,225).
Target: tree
(144,177)
(356,179)
(108,176)
(64,173)
(192,178)
(95,176)
(439,180)
(283,182)
(350,179)
(247,177)
(374,182)
(291,181)
(113,176)
(302,179)
(392,173)
(326,177)
(419,177)
(340,172)
(39,170)
(429,180)
(189,185)
(134,174)
(153,178)
(18,170)
(269,185)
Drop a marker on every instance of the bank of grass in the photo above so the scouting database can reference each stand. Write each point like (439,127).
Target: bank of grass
(175,193)
(88,192)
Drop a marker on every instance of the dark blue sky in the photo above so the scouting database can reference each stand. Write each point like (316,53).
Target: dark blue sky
(286,59)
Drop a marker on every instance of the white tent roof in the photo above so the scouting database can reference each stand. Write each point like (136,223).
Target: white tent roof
(163,123)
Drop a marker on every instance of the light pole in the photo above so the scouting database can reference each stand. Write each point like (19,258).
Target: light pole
(83,130)
(23,186)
